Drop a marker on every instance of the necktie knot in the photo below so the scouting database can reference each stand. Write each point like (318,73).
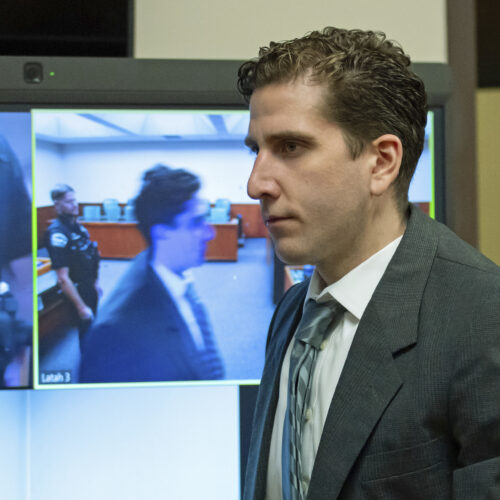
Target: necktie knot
(317,321)
(209,359)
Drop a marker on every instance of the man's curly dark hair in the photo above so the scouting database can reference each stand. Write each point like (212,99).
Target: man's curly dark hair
(163,195)
(370,88)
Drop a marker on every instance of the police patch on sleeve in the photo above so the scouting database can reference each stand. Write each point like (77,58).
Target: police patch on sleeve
(58,240)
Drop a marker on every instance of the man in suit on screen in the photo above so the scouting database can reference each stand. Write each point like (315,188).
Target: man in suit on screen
(154,327)
(382,373)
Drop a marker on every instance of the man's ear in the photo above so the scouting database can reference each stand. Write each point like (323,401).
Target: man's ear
(388,151)
(160,232)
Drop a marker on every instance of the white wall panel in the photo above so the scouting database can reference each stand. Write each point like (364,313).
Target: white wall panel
(114,170)
(14,444)
(179,443)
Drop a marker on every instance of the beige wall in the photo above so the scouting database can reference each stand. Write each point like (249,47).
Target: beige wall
(488,160)
(234,29)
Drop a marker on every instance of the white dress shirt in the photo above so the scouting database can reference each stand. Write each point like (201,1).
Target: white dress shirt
(354,292)
(176,286)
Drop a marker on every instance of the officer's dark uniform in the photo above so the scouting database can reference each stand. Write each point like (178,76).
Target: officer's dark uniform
(69,246)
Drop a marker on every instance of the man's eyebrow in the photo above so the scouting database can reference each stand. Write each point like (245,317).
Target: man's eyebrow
(292,135)
(249,142)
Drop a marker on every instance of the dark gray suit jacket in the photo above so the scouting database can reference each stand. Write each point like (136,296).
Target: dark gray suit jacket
(140,336)
(416,413)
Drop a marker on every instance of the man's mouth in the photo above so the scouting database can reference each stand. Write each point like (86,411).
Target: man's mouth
(271,220)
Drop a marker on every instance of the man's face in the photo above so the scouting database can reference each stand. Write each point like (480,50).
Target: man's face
(314,196)
(67,205)
(188,236)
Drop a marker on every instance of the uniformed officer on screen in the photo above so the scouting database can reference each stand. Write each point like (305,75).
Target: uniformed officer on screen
(74,257)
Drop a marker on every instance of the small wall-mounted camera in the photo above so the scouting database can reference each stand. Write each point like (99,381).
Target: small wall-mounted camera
(33,72)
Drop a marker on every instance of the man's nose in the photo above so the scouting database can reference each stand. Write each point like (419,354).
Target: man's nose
(262,181)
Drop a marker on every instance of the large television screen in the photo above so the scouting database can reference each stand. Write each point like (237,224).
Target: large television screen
(103,154)
(98,126)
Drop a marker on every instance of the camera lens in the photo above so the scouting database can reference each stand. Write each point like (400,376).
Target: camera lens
(33,73)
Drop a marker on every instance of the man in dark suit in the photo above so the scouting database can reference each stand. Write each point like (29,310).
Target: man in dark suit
(404,398)
(16,272)
(153,327)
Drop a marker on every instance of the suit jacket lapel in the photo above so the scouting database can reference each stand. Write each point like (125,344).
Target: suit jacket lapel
(166,319)
(370,380)
(281,330)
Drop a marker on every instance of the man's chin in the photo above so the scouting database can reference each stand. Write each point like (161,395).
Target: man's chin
(290,256)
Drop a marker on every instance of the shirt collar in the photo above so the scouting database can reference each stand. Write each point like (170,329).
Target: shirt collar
(174,283)
(355,289)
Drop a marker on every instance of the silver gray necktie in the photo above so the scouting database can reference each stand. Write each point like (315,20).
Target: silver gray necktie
(316,323)
(210,362)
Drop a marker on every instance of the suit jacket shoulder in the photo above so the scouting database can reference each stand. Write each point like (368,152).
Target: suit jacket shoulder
(454,249)
(139,334)
(416,406)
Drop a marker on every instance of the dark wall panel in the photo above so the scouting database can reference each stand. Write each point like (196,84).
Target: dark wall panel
(488,42)
(460,175)
(66,28)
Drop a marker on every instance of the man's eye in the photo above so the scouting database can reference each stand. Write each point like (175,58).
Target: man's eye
(289,147)
(254,149)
